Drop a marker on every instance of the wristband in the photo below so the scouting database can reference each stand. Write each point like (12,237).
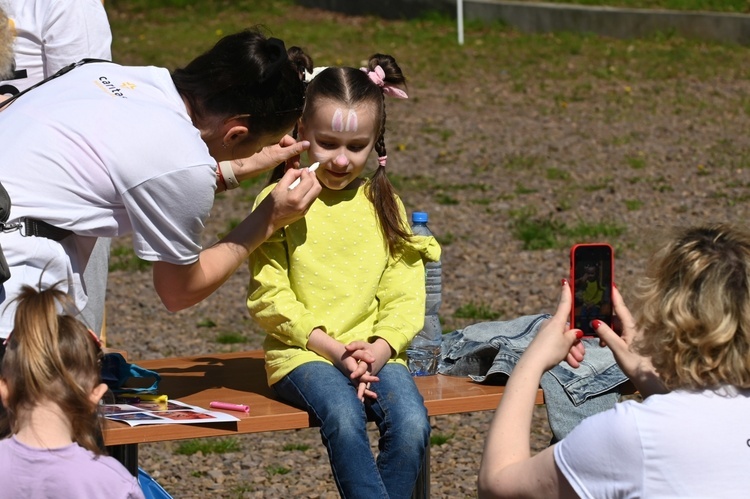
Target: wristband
(226,173)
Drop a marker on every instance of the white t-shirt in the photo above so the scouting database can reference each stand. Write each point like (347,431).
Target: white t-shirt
(50,34)
(103,150)
(682,444)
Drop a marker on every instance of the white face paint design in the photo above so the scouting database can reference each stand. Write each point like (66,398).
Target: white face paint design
(351,121)
(337,122)
(341,139)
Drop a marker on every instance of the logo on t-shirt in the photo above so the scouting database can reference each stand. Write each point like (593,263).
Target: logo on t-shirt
(116,90)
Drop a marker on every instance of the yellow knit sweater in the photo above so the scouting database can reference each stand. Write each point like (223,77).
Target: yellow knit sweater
(331,269)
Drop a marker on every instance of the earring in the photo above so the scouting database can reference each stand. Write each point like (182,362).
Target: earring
(224,145)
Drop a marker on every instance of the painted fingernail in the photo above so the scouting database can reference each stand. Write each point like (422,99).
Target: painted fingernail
(579,334)
(596,323)
(563,282)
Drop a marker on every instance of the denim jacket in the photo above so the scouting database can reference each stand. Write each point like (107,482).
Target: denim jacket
(488,351)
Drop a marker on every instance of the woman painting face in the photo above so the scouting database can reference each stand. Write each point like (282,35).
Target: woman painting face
(341,139)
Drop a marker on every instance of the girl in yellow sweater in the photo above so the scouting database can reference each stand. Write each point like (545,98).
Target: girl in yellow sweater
(341,292)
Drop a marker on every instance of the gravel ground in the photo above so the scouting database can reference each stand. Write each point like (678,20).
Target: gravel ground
(643,157)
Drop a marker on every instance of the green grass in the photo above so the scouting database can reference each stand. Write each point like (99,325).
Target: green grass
(440,438)
(557,174)
(208,446)
(536,234)
(740,6)
(123,258)
(522,189)
(589,231)
(296,447)
(636,162)
(478,311)
(414,182)
(445,199)
(172,36)
(539,232)
(445,239)
(240,489)
(633,204)
(230,338)
(520,162)
(277,470)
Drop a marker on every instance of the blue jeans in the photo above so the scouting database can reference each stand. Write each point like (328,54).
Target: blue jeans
(331,400)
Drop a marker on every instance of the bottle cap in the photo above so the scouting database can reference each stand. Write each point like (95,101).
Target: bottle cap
(419,216)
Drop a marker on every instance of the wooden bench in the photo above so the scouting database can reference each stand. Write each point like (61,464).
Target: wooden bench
(240,378)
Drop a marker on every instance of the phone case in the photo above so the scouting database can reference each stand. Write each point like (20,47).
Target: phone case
(591,278)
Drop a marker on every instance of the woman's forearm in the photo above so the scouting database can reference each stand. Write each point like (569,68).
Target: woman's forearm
(182,286)
(508,441)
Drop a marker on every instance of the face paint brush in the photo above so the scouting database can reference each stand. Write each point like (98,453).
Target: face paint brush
(310,168)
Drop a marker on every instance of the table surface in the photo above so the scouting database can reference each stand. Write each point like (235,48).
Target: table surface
(240,378)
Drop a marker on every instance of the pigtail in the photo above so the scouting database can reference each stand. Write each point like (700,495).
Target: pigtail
(382,195)
(381,192)
(302,62)
(304,65)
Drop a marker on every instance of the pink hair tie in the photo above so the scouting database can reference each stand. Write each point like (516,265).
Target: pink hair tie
(382,160)
(377,76)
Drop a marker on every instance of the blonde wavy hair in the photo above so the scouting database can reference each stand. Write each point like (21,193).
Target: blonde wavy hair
(693,309)
(6,46)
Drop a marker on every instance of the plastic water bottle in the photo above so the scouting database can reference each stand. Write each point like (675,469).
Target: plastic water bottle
(424,351)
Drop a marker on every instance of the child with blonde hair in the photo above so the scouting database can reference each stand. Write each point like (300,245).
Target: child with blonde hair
(50,388)
(6,46)
(686,349)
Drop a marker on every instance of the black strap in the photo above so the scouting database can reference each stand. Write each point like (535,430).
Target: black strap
(39,228)
(32,226)
(64,70)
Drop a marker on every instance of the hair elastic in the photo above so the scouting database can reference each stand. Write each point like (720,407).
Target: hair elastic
(382,160)
(377,76)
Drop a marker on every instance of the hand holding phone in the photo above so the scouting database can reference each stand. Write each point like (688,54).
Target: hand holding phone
(591,277)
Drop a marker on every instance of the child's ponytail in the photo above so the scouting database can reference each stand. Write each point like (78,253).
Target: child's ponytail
(383,70)
(51,356)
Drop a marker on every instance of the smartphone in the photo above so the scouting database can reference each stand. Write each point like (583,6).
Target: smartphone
(592,269)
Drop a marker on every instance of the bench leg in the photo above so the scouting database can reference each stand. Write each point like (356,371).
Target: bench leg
(422,487)
(127,454)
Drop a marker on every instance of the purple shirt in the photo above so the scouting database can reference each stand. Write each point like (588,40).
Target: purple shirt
(70,471)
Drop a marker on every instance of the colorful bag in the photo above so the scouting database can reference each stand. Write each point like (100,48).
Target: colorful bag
(116,372)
